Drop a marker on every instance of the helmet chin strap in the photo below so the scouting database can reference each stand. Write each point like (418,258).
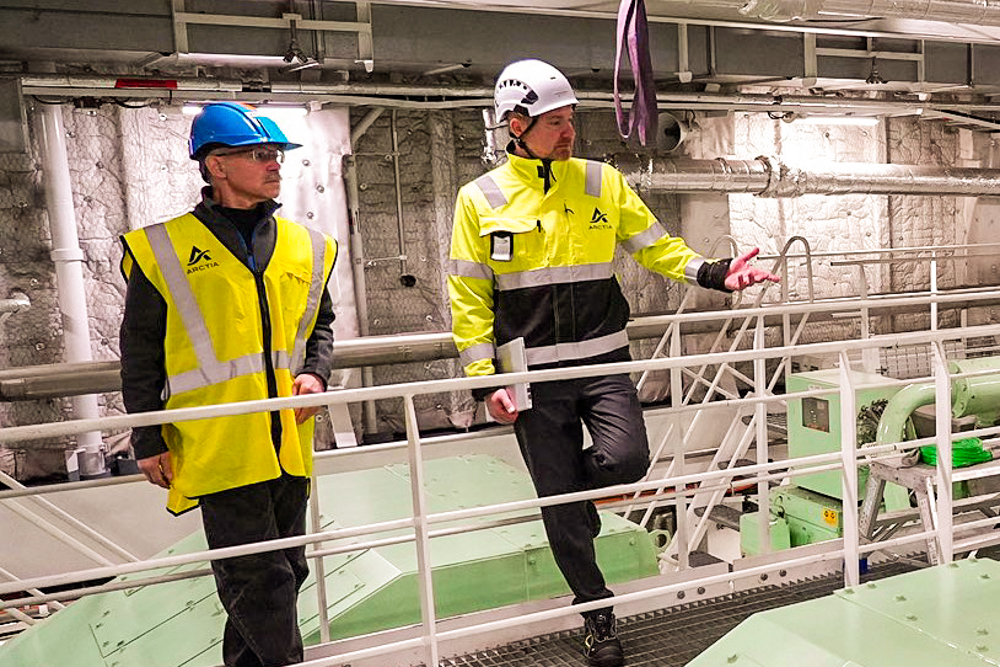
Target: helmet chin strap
(520,143)
(545,170)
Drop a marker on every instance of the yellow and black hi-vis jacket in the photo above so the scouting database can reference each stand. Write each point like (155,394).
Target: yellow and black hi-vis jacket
(232,333)
(531,257)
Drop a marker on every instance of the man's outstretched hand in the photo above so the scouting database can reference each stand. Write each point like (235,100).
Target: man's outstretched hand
(741,275)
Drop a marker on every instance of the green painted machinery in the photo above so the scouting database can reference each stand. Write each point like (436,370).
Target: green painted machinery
(180,623)
(936,617)
(809,510)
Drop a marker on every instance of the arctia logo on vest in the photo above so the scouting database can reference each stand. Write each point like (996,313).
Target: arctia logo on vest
(599,220)
(199,260)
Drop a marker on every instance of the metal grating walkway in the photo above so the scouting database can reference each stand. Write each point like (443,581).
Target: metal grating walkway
(665,638)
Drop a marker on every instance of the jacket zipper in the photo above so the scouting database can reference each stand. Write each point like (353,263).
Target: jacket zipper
(265,316)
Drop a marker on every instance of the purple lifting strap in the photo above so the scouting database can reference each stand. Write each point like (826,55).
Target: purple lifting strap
(633,31)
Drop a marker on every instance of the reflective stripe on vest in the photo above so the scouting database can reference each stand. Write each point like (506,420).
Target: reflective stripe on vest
(316,287)
(692,268)
(554,275)
(494,197)
(210,370)
(593,182)
(634,244)
(585,349)
(463,268)
(476,353)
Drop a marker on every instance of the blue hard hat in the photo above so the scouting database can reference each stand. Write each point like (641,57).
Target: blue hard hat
(233,124)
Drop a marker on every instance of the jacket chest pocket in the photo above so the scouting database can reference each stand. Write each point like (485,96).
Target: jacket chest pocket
(515,243)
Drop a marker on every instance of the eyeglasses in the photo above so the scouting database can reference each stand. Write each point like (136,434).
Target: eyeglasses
(258,154)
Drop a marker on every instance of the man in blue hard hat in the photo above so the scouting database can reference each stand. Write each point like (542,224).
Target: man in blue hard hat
(228,303)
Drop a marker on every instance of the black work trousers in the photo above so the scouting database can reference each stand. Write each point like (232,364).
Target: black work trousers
(551,438)
(259,592)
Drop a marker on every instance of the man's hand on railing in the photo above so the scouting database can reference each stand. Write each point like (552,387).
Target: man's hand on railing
(307,383)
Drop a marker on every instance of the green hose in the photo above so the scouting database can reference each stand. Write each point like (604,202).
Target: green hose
(965,452)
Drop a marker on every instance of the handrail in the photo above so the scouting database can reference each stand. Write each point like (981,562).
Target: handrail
(343,396)
(988,249)
(59,380)
(788,467)
(420,528)
(673,329)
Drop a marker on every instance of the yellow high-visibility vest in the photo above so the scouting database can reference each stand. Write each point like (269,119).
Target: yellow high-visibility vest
(531,263)
(215,349)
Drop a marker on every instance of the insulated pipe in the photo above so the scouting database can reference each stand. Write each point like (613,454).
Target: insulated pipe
(359,130)
(719,175)
(878,179)
(442,97)
(974,12)
(768,176)
(405,278)
(68,258)
(892,425)
(978,395)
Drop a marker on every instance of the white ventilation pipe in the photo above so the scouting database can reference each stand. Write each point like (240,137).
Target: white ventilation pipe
(72,298)
(770,177)
(974,12)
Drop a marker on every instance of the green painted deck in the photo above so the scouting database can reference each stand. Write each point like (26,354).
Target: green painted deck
(180,623)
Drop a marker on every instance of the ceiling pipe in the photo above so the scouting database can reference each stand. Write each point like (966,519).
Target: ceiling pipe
(972,12)
(767,176)
(447,97)
(689,16)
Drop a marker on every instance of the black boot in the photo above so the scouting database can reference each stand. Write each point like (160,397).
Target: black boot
(601,644)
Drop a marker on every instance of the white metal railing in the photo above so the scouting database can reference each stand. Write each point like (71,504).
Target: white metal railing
(673,488)
(740,436)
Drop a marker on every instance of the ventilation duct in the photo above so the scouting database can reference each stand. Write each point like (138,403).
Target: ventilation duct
(770,177)
(975,12)
(671,132)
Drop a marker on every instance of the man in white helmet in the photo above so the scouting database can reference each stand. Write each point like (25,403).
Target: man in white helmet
(532,246)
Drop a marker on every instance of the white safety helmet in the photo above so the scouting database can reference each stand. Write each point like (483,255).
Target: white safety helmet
(531,87)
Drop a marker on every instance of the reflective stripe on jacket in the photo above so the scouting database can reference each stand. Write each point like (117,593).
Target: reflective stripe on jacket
(229,331)
(525,262)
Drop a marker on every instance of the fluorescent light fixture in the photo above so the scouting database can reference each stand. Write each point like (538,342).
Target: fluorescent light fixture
(837,120)
(271,111)
(278,112)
